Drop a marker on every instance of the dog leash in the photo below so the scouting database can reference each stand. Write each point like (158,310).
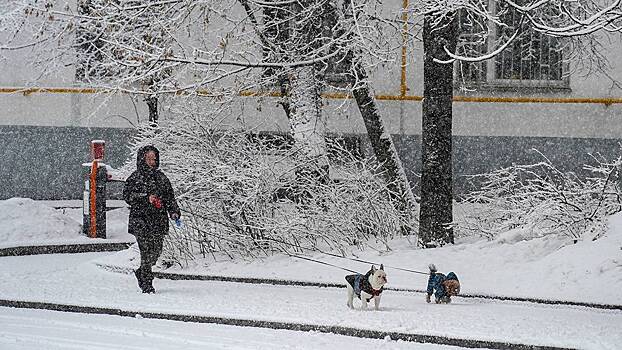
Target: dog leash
(326,253)
(373,263)
(321,262)
(343,257)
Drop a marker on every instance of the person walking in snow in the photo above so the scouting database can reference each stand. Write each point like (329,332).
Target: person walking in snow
(150,196)
(443,287)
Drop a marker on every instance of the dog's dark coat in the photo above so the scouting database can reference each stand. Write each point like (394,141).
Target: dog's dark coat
(360,283)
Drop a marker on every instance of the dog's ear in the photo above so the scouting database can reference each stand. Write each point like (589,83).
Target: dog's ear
(373,269)
(382,267)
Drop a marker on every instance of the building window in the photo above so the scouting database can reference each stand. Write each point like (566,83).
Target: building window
(532,61)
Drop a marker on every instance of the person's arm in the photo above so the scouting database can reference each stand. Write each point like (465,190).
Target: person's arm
(170,202)
(133,193)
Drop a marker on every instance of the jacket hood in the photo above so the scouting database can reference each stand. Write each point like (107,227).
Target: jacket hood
(452,276)
(140,158)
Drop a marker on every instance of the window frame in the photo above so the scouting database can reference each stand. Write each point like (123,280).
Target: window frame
(490,82)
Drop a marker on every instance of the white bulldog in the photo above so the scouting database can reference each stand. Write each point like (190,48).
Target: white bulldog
(366,287)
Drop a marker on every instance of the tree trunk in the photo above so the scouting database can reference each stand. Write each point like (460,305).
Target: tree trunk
(307,123)
(380,140)
(300,86)
(384,149)
(152,104)
(436,179)
(88,45)
(303,87)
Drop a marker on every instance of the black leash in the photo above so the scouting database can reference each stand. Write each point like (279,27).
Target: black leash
(320,262)
(343,257)
(321,252)
(373,263)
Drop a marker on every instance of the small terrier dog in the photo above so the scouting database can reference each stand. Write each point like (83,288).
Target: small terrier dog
(443,287)
(366,287)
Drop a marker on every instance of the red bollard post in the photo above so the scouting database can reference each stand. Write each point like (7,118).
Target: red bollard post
(94,220)
(98,148)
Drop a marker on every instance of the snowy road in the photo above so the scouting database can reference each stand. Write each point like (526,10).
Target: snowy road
(39,329)
(71,279)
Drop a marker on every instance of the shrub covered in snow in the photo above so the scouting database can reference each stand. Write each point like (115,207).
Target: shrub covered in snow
(243,195)
(544,200)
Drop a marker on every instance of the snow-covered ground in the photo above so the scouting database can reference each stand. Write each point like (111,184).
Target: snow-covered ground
(24,221)
(38,329)
(553,268)
(550,267)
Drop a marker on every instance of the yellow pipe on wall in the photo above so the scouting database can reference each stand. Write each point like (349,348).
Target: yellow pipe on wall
(604,100)
(607,101)
(67,90)
(403,87)
(485,99)
(338,95)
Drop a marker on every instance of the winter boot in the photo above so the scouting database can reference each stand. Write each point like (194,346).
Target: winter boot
(139,278)
(147,278)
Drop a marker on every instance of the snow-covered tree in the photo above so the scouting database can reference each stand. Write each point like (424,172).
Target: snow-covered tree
(134,24)
(338,30)
(462,30)
(230,187)
(227,48)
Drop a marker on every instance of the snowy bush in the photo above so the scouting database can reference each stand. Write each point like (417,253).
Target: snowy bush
(544,200)
(242,196)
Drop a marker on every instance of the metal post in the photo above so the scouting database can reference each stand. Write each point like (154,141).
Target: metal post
(94,202)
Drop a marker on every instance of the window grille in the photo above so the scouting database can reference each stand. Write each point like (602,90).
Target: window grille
(533,60)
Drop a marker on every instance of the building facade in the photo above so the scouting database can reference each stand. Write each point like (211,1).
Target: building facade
(504,108)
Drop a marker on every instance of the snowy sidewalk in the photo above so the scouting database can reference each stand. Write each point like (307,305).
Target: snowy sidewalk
(514,264)
(70,279)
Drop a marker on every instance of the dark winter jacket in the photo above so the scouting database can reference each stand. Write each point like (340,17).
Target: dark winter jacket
(360,283)
(145,218)
(435,283)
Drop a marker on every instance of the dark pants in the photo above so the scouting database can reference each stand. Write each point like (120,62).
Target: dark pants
(150,247)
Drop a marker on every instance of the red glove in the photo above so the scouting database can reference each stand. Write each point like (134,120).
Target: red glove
(155,201)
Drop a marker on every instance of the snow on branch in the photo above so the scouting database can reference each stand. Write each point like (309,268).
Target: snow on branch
(162,46)
(454,57)
(541,199)
(242,194)
(485,25)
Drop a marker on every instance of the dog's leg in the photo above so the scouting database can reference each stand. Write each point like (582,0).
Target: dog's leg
(364,297)
(377,302)
(350,296)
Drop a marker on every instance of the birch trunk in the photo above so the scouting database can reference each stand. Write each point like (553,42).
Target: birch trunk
(307,123)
